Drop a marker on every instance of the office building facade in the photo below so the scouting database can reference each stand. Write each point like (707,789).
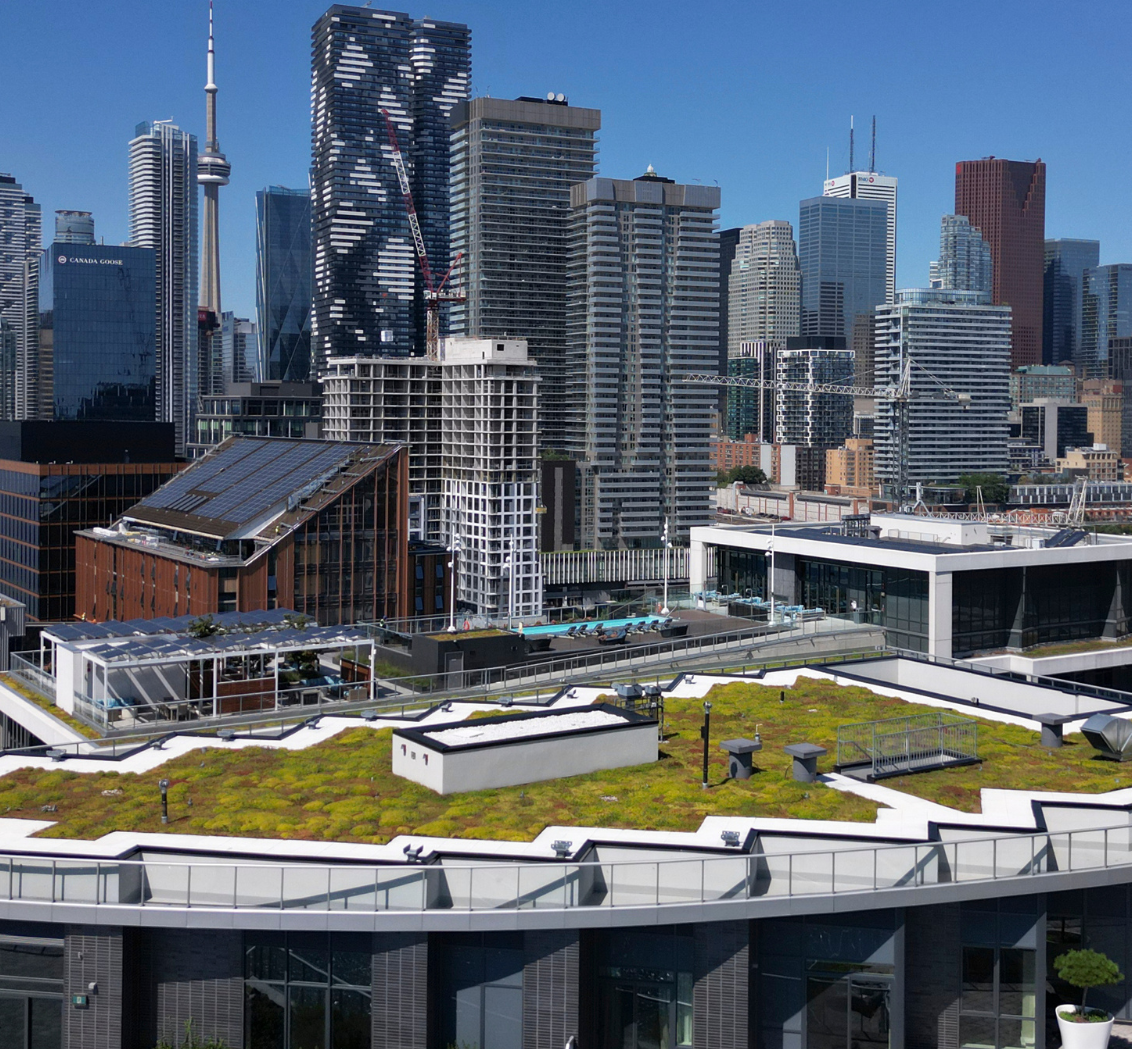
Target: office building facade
(74,227)
(365,62)
(953,339)
(57,478)
(239,349)
(642,300)
(1032,382)
(283,283)
(258,409)
(1063,300)
(21,226)
(163,217)
(97,333)
(764,287)
(751,410)
(964,262)
(469,422)
(842,251)
(868,185)
(513,163)
(1006,201)
(1106,314)
(1055,427)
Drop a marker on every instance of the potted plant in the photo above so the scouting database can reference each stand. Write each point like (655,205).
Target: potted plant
(1083,1028)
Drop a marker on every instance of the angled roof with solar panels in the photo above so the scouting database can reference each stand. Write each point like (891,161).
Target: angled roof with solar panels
(248,482)
(242,498)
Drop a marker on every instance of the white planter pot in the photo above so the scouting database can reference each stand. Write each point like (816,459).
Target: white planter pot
(1082,1036)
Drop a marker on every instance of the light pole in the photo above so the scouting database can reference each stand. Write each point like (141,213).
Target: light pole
(509,564)
(705,732)
(666,544)
(453,549)
(770,575)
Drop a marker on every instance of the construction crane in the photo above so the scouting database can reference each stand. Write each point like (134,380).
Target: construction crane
(434,294)
(901,395)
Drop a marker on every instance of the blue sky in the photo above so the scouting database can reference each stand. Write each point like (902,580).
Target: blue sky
(748,95)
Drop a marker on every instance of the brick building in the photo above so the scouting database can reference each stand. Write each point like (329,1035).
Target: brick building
(260,523)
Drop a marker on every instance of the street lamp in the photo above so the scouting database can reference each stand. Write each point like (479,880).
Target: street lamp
(705,732)
(770,575)
(666,546)
(509,564)
(454,548)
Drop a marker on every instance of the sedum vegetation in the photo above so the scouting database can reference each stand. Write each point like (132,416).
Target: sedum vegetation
(344,790)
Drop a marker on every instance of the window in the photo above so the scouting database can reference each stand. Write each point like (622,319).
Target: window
(307,991)
(31,992)
(481,1001)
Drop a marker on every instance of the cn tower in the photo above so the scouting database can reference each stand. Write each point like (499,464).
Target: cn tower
(213,170)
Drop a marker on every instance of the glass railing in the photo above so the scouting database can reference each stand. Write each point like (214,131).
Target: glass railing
(558,885)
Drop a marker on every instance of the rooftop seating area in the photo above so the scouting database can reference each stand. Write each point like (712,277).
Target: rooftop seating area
(124,676)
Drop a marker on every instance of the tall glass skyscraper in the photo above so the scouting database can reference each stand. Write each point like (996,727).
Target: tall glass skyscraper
(1106,315)
(513,163)
(283,282)
(367,291)
(163,216)
(964,262)
(843,253)
(20,241)
(1063,299)
(97,333)
(868,185)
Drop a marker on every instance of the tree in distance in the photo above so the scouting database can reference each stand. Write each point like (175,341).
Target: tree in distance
(746,474)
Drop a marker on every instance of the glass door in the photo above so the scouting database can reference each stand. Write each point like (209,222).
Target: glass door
(849,1011)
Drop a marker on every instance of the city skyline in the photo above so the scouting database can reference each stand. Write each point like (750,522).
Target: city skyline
(776,160)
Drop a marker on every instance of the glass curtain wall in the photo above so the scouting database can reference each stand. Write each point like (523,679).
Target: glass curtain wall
(998,993)
(481,990)
(895,598)
(307,991)
(644,985)
(31,992)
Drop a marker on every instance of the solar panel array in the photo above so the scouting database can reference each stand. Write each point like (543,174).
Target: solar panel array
(248,478)
(164,625)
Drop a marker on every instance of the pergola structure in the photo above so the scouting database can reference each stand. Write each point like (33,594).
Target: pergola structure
(121,676)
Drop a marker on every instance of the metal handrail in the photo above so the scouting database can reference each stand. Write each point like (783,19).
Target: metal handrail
(400,887)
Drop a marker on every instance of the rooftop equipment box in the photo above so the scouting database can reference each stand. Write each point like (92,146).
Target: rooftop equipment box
(523,748)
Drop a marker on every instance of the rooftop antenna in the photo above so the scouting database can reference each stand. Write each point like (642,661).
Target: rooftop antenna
(827,163)
(873,152)
(851,168)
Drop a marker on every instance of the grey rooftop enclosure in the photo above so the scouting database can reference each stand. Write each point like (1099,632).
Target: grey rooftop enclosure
(740,765)
(805,757)
(1112,736)
(896,746)
(1052,725)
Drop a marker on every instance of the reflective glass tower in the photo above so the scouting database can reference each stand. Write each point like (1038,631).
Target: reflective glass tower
(843,254)
(283,282)
(163,216)
(964,262)
(366,282)
(1106,315)
(1063,299)
(20,242)
(97,333)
